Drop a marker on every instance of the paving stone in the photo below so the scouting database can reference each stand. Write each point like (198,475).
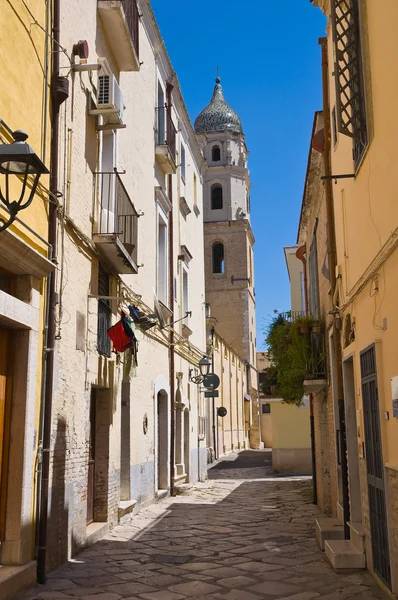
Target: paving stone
(222,572)
(195,588)
(258,566)
(103,596)
(132,587)
(239,595)
(236,582)
(274,588)
(302,596)
(162,595)
(199,566)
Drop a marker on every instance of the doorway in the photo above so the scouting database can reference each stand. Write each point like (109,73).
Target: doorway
(352,441)
(6,358)
(375,467)
(186,443)
(163,446)
(91,462)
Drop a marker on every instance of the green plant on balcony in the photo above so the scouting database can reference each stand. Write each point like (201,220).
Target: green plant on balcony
(296,353)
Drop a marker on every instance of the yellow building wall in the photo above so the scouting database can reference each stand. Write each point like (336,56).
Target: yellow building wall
(290,426)
(23,99)
(24,105)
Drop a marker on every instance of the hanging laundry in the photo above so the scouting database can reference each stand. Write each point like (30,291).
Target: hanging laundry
(122,336)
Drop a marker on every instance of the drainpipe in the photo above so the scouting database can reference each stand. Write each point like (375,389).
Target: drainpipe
(59,90)
(301,254)
(332,263)
(169,90)
(213,399)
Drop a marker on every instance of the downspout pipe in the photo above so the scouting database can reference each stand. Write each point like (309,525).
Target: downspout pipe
(333,262)
(50,325)
(169,90)
(213,399)
(301,255)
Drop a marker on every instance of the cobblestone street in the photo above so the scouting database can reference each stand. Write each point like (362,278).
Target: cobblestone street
(244,534)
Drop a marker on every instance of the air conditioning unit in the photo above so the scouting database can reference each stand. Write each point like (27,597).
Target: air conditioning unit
(109,101)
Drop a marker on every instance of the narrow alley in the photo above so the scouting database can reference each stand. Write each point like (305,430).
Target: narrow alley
(244,534)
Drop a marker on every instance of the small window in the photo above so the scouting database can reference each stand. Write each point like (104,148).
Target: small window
(195,190)
(104,312)
(216,197)
(183,162)
(218,258)
(266,409)
(216,154)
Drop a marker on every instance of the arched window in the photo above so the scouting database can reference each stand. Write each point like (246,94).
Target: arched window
(218,258)
(216,154)
(216,196)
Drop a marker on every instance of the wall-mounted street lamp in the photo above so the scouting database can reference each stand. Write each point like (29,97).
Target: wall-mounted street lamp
(204,366)
(19,158)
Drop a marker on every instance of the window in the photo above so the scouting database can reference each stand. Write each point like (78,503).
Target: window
(104,313)
(266,409)
(216,154)
(162,258)
(349,75)
(248,202)
(195,190)
(216,197)
(313,297)
(218,258)
(185,295)
(183,162)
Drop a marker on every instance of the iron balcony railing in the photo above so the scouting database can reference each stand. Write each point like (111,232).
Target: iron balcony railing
(316,362)
(165,129)
(133,18)
(292,315)
(117,214)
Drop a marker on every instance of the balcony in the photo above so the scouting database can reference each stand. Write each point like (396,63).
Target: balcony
(315,374)
(117,227)
(165,140)
(121,23)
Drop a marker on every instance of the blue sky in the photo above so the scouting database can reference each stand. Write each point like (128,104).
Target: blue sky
(270,70)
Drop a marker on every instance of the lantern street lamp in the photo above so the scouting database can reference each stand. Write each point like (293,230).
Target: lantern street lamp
(204,366)
(19,159)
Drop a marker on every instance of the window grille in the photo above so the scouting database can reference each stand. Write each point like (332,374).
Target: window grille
(218,258)
(104,313)
(348,74)
(216,197)
(182,162)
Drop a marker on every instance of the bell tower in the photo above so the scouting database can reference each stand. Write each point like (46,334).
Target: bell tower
(229,258)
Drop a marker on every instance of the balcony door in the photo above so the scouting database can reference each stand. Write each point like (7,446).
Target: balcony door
(107,208)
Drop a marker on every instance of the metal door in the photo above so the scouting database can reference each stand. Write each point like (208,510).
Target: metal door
(375,469)
(91,464)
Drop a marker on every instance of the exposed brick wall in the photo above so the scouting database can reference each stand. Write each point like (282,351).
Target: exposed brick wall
(392,491)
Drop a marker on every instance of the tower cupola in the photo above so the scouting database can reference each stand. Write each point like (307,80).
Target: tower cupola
(218,116)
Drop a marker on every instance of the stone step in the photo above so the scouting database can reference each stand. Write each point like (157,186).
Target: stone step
(357,535)
(328,529)
(125,508)
(344,556)
(15,579)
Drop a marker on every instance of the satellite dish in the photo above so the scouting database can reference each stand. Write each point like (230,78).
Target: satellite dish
(222,411)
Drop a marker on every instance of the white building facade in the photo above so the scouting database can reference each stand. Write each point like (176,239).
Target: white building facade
(127,426)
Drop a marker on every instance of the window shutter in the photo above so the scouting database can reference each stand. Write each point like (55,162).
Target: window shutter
(348,75)
(313,274)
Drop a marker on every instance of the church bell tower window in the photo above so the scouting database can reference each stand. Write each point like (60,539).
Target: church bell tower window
(216,154)
(216,197)
(218,258)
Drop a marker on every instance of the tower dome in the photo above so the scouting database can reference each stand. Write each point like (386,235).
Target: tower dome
(218,116)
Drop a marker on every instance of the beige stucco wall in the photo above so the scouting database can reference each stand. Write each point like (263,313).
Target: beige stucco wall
(291,448)
(295,269)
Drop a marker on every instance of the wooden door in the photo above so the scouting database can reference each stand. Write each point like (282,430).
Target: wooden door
(91,464)
(6,357)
